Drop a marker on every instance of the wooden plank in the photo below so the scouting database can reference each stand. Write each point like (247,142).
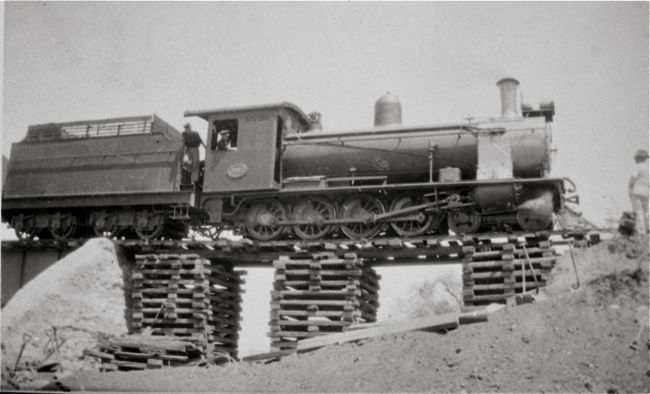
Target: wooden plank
(486,264)
(179,291)
(293,334)
(170,299)
(442,322)
(175,282)
(234,285)
(323,272)
(472,317)
(197,270)
(98,354)
(317,294)
(306,323)
(463,318)
(316,263)
(517,285)
(315,312)
(128,364)
(266,356)
(158,343)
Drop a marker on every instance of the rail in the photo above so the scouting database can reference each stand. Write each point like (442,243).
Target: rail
(441,249)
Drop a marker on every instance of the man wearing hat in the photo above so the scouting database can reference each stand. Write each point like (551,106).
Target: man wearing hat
(224,141)
(192,141)
(638,189)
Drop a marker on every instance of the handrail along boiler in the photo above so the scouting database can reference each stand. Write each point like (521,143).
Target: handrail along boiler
(284,177)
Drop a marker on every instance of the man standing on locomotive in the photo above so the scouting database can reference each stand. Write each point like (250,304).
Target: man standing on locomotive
(192,141)
(638,190)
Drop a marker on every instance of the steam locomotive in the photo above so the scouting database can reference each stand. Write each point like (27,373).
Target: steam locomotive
(284,177)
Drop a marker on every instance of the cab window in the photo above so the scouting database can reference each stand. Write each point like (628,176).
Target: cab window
(224,134)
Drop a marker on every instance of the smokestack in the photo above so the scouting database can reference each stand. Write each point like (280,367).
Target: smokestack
(315,123)
(508,88)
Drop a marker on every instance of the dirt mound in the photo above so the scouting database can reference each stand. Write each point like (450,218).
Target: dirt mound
(629,284)
(578,340)
(611,256)
(81,295)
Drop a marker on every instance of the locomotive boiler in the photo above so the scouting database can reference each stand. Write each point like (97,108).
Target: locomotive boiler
(282,176)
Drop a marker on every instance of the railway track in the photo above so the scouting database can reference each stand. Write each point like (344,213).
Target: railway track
(439,249)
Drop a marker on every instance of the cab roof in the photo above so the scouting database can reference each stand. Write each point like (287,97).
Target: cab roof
(206,113)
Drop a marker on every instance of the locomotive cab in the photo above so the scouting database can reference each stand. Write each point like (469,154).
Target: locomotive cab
(238,158)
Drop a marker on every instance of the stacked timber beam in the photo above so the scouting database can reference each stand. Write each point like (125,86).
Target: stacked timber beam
(495,272)
(136,352)
(225,299)
(187,298)
(320,294)
(170,296)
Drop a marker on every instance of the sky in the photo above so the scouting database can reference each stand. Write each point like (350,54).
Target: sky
(76,61)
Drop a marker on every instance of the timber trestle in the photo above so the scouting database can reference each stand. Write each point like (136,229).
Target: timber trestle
(192,290)
(189,298)
(494,272)
(319,295)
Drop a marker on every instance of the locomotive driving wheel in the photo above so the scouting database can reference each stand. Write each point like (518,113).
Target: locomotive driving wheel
(415,227)
(531,220)
(361,207)
(263,219)
(463,220)
(315,210)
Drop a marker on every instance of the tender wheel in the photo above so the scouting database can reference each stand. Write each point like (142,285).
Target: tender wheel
(63,227)
(316,210)
(263,220)
(411,228)
(150,227)
(107,231)
(23,226)
(531,220)
(64,232)
(26,234)
(463,220)
(149,233)
(361,207)
(104,225)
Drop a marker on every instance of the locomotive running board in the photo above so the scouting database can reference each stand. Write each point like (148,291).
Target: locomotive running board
(72,201)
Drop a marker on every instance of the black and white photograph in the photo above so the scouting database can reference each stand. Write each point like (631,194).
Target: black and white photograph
(325,196)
